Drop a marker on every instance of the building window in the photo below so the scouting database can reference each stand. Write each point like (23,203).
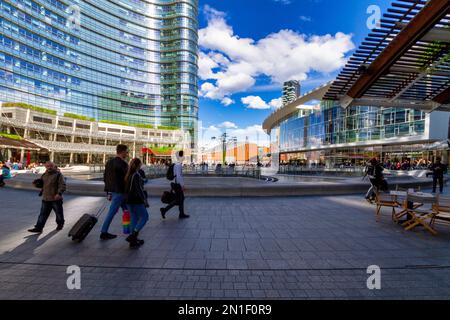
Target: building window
(42,120)
(83,126)
(65,124)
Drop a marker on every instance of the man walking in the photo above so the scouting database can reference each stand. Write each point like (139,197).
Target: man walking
(114,178)
(177,188)
(53,187)
(438,170)
(374,171)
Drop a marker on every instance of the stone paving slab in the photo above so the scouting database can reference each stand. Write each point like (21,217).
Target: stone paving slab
(230,248)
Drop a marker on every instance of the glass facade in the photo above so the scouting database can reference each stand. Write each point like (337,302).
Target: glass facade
(333,125)
(131,61)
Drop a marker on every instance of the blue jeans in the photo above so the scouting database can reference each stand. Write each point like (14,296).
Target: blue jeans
(117,201)
(139,216)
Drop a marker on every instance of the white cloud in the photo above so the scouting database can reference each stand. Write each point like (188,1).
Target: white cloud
(228,125)
(231,64)
(276,103)
(227,101)
(255,102)
(254,134)
(305,18)
(284,1)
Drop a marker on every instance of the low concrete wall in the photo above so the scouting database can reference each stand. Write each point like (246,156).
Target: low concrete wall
(205,187)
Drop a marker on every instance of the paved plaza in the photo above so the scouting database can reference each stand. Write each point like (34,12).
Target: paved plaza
(230,248)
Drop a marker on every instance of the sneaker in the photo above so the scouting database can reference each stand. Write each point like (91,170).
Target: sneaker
(35,230)
(184,216)
(59,228)
(163,213)
(107,236)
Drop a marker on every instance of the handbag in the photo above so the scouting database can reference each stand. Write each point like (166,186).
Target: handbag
(38,183)
(126,222)
(167,197)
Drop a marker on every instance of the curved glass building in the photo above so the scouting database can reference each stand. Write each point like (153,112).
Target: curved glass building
(123,61)
(312,132)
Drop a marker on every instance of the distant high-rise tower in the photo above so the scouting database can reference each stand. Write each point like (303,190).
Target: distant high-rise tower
(291,91)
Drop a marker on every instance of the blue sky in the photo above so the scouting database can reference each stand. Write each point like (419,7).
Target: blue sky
(250,46)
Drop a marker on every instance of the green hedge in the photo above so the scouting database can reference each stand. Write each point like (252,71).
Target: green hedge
(167,128)
(76,116)
(10,136)
(142,126)
(80,117)
(145,126)
(120,123)
(28,106)
(161,149)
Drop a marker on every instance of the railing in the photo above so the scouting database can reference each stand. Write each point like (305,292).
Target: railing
(319,171)
(154,172)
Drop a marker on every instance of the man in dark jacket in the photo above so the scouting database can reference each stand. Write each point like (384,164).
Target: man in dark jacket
(438,169)
(374,171)
(53,188)
(114,178)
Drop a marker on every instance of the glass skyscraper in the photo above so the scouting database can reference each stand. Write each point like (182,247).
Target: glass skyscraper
(127,61)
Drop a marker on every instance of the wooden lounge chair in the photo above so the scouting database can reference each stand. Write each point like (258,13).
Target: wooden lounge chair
(385,200)
(404,204)
(442,207)
(420,216)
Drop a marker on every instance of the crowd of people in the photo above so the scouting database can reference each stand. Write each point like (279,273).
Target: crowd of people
(124,187)
(374,171)
(407,164)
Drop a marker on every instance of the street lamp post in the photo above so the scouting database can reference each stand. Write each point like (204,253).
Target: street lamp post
(224,147)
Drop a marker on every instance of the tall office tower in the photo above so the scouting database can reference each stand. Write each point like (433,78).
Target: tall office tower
(291,91)
(123,61)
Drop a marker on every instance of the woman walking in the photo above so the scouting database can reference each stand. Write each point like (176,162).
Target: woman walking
(136,200)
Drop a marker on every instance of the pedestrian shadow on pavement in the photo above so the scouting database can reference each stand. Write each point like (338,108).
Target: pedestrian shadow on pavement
(26,249)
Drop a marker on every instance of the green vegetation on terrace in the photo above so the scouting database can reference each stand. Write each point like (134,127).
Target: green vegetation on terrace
(10,136)
(149,126)
(76,116)
(161,149)
(28,106)
(142,126)
(119,123)
(80,117)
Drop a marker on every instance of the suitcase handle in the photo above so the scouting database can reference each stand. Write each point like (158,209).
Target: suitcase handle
(101,210)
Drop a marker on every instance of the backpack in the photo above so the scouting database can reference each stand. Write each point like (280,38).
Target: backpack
(170,172)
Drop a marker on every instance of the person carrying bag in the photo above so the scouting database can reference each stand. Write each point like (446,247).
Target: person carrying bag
(175,174)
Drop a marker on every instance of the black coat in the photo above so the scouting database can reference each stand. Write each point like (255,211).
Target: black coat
(135,193)
(114,176)
(438,170)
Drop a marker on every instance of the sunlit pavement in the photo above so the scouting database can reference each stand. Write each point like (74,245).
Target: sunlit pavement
(235,248)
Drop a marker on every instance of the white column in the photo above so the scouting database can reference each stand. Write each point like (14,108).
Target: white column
(72,139)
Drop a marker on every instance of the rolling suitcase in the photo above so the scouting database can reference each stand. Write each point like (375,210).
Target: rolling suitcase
(84,225)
